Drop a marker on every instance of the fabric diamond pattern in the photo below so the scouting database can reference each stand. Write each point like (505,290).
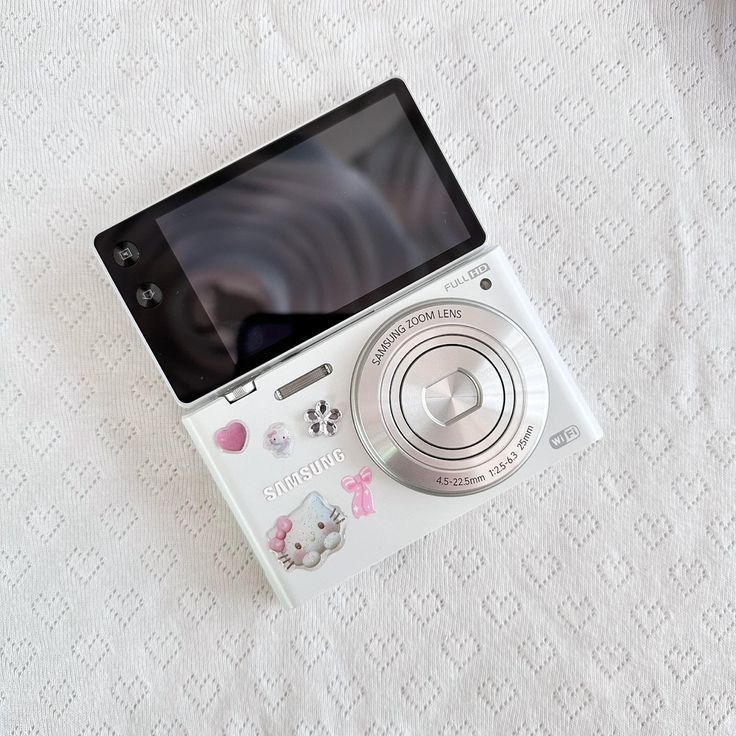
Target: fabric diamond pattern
(596,140)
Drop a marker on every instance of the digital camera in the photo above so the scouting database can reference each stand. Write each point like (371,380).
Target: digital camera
(358,367)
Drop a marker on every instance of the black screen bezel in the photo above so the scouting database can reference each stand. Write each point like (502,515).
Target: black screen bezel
(159,265)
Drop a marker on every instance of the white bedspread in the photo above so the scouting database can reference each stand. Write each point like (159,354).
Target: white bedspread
(597,139)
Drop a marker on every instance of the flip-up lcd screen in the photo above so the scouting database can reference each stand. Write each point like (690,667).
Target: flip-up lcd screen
(289,241)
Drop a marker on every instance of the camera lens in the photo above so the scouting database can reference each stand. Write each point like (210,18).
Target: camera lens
(126,254)
(149,295)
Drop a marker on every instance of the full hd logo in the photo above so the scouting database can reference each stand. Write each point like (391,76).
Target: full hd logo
(474,272)
(564,437)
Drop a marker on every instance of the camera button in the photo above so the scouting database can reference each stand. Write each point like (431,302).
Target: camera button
(126,254)
(149,295)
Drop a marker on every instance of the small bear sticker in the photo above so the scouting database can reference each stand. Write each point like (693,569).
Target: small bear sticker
(309,534)
(278,440)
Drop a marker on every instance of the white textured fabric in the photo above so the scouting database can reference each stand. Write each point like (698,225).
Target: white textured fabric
(597,140)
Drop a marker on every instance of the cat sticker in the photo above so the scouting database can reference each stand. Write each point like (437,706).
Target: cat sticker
(278,440)
(309,534)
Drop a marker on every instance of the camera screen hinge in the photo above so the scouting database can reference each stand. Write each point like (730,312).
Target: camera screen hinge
(243,390)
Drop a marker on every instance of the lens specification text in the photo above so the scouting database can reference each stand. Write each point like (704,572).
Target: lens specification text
(443,480)
(495,470)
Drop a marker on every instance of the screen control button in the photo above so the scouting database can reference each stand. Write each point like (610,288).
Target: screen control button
(149,295)
(126,254)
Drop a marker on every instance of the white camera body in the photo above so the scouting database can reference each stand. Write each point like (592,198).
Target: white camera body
(413,413)
(359,367)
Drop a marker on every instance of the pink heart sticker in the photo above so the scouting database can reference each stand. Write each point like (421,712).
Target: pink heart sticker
(232,437)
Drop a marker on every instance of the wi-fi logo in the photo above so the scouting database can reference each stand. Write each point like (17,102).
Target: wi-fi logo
(564,437)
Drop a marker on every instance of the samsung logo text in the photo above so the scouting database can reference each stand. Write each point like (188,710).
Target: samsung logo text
(303,474)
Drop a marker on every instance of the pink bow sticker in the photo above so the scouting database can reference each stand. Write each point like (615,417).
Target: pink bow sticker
(358,486)
(283,527)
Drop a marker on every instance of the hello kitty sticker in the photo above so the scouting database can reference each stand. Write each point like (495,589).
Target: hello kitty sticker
(309,534)
(278,440)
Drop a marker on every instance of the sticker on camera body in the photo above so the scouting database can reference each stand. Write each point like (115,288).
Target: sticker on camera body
(358,485)
(309,534)
(278,440)
(322,420)
(233,437)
